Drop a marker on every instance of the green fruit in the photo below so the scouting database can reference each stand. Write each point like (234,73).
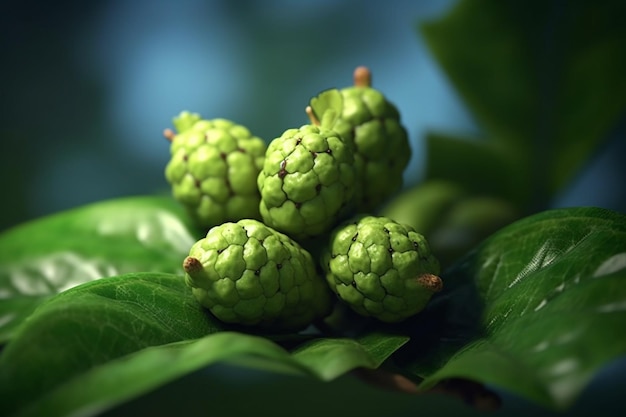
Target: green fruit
(307,181)
(381,268)
(185,120)
(363,116)
(213,169)
(250,274)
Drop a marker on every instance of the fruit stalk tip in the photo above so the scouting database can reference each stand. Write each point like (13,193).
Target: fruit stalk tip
(431,282)
(312,117)
(169,134)
(362,77)
(192,265)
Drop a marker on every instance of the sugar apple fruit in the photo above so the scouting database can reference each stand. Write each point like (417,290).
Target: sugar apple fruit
(250,274)
(213,169)
(307,181)
(363,116)
(380,268)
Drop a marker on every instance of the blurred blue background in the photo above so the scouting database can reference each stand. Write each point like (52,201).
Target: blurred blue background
(88,87)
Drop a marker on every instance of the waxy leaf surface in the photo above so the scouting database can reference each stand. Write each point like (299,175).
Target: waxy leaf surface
(537,309)
(107,341)
(45,256)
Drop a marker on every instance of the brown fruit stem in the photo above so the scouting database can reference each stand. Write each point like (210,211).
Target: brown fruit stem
(169,134)
(362,77)
(431,282)
(471,393)
(386,380)
(192,265)
(312,117)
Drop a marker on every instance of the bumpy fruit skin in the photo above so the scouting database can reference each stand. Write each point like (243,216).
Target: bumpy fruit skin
(307,181)
(250,274)
(382,148)
(381,268)
(213,169)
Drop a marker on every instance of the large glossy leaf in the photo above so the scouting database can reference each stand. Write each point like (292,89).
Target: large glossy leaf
(536,310)
(545,77)
(106,341)
(93,323)
(104,386)
(48,255)
(119,380)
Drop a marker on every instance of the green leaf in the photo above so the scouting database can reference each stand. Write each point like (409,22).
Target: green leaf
(113,382)
(537,309)
(43,257)
(327,106)
(93,323)
(104,342)
(330,358)
(452,219)
(543,77)
(220,390)
(478,166)
(422,204)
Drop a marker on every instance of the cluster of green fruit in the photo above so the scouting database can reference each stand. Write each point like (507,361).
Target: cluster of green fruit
(266,206)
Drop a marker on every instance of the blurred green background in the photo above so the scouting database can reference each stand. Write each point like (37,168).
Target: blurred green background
(88,87)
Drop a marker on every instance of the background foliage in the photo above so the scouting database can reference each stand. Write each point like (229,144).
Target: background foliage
(90,85)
